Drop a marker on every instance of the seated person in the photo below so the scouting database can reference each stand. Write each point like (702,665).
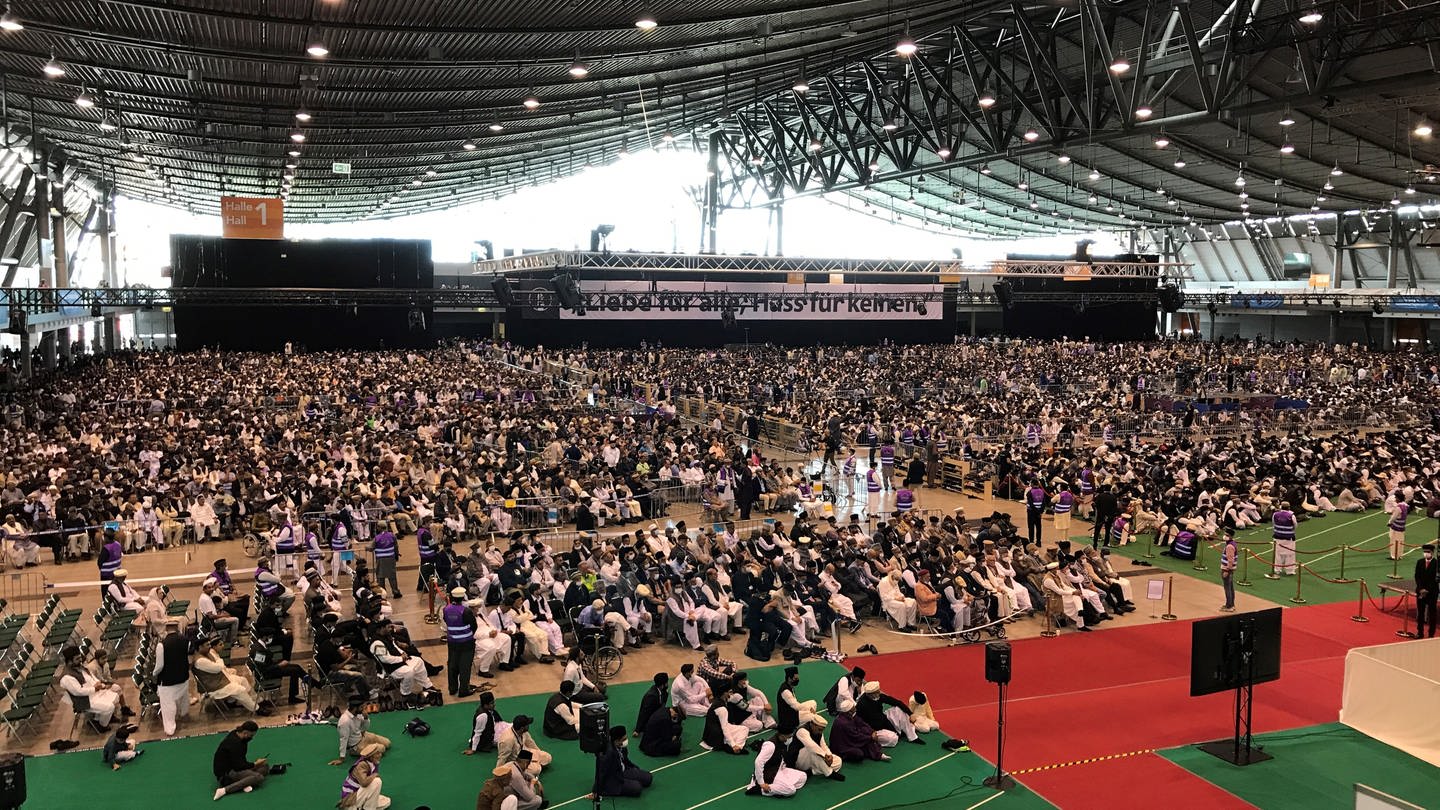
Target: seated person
(106,699)
(232,768)
(562,714)
(219,682)
(616,774)
(662,735)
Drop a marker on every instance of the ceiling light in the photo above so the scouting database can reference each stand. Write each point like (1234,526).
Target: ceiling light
(1395,200)
(468,146)
(1240,180)
(415,182)
(1063,158)
(1311,16)
(1032,135)
(1243,195)
(1424,129)
(430,172)
(1144,111)
(668,137)
(1034,204)
(10,22)
(801,86)
(317,49)
(1287,148)
(1244,206)
(107,123)
(1287,118)
(1023,186)
(85,100)
(986,100)
(496,126)
(1180,163)
(1409,189)
(756,160)
(577,68)
(1321,198)
(985,168)
(1329,186)
(944,152)
(906,46)
(1336,172)
(531,103)
(289,176)
(291,164)
(1094,174)
(54,69)
(1092,199)
(647,22)
(1120,65)
(303,114)
(890,125)
(875,163)
(1161,141)
(815,145)
(1174,201)
(1109,207)
(297,136)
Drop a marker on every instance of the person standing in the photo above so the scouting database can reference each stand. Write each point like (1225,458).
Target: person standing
(1427,576)
(1107,508)
(1283,532)
(1399,511)
(1064,501)
(340,552)
(232,768)
(460,627)
(109,560)
(1229,557)
(387,556)
(172,676)
(1035,499)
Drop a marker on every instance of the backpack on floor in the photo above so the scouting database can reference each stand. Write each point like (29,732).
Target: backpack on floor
(417,727)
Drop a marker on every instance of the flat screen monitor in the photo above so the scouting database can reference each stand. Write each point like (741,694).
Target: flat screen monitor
(1217,647)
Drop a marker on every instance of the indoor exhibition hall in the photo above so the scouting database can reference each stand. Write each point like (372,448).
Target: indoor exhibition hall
(857,405)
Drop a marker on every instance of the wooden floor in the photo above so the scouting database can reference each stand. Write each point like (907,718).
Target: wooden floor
(183,569)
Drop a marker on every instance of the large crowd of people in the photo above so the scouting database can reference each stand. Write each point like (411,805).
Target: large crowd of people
(464,454)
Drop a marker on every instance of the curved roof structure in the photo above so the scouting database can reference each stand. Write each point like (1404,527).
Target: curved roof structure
(1008,119)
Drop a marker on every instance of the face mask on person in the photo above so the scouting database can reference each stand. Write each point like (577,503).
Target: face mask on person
(1429,556)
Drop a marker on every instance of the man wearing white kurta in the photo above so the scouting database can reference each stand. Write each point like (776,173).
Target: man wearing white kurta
(690,692)
(900,607)
(772,777)
(815,755)
(491,645)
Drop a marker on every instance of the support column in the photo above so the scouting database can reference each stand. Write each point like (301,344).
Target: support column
(41,213)
(974,322)
(712,194)
(1423,334)
(105,226)
(111,333)
(1334,328)
(61,260)
(27,369)
(1388,341)
(48,352)
(62,338)
(780,228)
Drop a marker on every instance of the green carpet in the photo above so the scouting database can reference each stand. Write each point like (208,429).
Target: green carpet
(1316,768)
(1319,535)
(176,773)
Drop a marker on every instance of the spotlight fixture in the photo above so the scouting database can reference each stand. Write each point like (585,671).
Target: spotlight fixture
(1144,111)
(1424,129)
(303,115)
(986,99)
(84,100)
(578,69)
(53,69)
(1031,135)
(531,103)
(1311,15)
(297,136)
(1287,118)
(647,22)
(1161,141)
(1287,148)
(1120,65)
(468,146)
(317,49)
(9,22)
(906,46)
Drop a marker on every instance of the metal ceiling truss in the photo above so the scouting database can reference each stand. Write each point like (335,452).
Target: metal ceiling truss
(579,260)
(879,120)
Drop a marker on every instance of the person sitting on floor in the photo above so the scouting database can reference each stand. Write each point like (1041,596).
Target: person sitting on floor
(889,717)
(690,692)
(617,775)
(724,729)
(852,739)
(773,775)
(120,748)
(562,714)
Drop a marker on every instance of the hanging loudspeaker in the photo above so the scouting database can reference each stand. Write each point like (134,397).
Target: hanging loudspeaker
(503,291)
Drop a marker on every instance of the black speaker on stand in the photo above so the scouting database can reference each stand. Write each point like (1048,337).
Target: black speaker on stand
(594,736)
(12,781)
(997,671)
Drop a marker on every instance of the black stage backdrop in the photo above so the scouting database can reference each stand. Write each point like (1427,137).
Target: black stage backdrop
(205,261)
(1078,317)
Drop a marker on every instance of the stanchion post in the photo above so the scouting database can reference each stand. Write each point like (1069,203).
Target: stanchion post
(1360,604)
(1150,549)
(1244,580)
(1394,570)
(1274,574)
(1299,577)
(1049,631)
(1169,614)
(1342,578)
(1200,555)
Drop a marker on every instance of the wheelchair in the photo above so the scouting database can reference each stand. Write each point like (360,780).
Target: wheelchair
(600,661)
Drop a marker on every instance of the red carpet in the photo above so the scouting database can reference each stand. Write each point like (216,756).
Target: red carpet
(1122,690)
(1135,783)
